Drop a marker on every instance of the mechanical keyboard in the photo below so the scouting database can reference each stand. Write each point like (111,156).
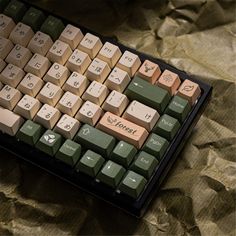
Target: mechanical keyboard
(104,117)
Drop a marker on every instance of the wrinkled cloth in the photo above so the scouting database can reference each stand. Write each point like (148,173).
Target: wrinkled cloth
(199,195)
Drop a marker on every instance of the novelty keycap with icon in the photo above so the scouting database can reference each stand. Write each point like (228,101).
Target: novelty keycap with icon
(104,117)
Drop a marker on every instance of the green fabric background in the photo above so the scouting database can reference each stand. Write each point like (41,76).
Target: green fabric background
(199,195)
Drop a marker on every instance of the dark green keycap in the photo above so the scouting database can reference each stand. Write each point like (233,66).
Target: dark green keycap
(3,4)
(53,27)
(178,108)
(30,132)
(34,18)
(123,153)
(111,174)
(69,152)
(16,10)
(156,146)
(148,94)
(90,163)
(96,140)
(145,164)
(133,184)
(50,142)
(167,127)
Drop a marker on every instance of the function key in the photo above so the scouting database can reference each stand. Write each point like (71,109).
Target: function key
(3,4)
(15,10)
(6,25)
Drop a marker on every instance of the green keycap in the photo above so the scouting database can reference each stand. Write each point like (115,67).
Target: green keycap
(96,140)
(90,163)
(52,26)
(50,142)
(30,132)
(123,153)
(15,10)
(69,152)
(145,164)
(167,127)
(178,108)
(111,174)
(133,184)
(156,146)
(3,4)
(148,94)
(34,18)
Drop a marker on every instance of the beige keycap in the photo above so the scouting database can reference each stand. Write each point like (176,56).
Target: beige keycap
(47,116)
(59,52)
(149,71)
(117,80)
(12,75)
(57,74)
(123,129)
(67,126)
(19,56)
(38,65)
(21,34)
(110,53)
(72,36)
(40,43)
(5,47)
(190,91)
(169,81)
(129,62)
(116,103)
(142,115)
(31,85)
(2,64)
(27,107)
(96,93)
(78,61)
(50,94)
(10,123)
(6,25)
(9,97)
(90,44)
(69,103)
(89,113)
(76,84)
(98,70)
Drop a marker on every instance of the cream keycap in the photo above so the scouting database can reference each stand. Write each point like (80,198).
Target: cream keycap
(31,85)
(78,61)
(50,94)
(5,47)
(98,70)
(96,93)
(40,43)
(116,103)
(19,56)
(142,115)
(76,84)
(21,34)
(10,123)
(12,75)
(38,65)
(169,81)
(90,44)
(2,64)
(57,74)
(6,25)
(9,97)
(129,62)
(27,107)
(67,126)
(72,36)
(117,80)
(89,113)
(69,103)
(149,71)
(47,116)
(123,129)
(110,53)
